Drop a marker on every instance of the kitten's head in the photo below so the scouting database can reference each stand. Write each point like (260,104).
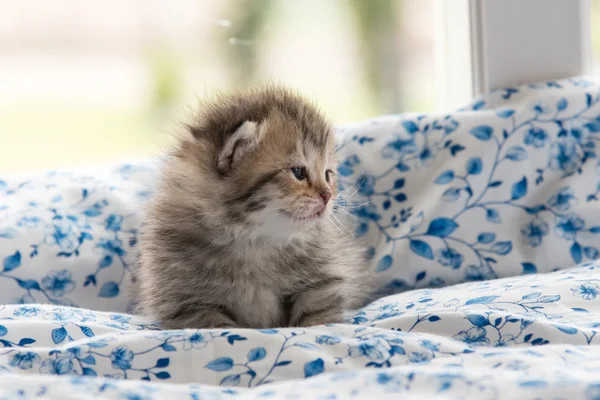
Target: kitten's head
(260,164)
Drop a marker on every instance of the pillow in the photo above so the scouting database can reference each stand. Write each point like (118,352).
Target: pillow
(506,186)
(68,237)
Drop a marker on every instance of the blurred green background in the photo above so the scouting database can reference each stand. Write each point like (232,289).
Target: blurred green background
(86,82)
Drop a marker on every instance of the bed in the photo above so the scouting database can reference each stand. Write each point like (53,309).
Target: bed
(482,230)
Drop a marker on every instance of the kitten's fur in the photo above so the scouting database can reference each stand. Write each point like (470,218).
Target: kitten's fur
(224,243)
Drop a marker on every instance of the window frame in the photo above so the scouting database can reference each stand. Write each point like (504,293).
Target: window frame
(545,39)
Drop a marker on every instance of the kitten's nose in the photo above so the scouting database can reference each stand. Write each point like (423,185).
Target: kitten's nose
(326,196)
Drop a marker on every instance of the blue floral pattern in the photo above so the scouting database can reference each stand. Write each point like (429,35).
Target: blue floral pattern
(506,190)
(68,238)
(523,337)
(432,196)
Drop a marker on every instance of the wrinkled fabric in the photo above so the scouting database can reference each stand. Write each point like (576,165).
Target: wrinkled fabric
(481,228)
(523,337)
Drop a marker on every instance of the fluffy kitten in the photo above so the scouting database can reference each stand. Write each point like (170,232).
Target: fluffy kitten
(240,230)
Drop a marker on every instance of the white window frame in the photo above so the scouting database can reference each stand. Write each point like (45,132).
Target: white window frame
(489,44)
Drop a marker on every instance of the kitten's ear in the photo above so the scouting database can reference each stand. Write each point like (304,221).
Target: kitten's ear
(244,140)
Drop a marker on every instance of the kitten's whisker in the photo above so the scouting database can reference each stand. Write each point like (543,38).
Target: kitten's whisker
(346,196)
(337,228)
(342,210)
(331,219)
(337,221)
(349,187)
(342,223)
(344,193)
(352,206)
(342,230)
(339,210)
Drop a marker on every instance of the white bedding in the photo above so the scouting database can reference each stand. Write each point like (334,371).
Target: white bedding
(507,188)
(526,337)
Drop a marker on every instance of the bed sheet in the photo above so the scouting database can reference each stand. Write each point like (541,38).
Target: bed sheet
(525,337)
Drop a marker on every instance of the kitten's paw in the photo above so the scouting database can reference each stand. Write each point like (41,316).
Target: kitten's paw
(321,318)
(200,319)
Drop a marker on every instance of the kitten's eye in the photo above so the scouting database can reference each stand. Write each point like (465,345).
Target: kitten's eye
(299,173)
(328,174)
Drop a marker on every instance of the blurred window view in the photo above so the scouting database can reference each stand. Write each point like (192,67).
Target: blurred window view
(87,82)
(595,27)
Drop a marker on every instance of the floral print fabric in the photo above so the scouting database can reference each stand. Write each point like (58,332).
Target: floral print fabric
(505,188)
(68,238)
(525,337)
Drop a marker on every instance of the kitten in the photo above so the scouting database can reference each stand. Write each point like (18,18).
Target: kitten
(240,231)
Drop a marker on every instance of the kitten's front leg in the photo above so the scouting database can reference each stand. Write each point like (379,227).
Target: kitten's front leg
(320,305)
